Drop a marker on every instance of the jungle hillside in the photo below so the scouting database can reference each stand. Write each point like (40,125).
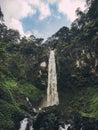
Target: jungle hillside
(24,69)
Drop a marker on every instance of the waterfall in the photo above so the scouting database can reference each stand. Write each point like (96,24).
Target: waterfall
(66,126)
(23,123)
(52,94)
(31,128)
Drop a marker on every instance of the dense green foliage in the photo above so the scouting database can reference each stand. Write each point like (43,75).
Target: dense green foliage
(22,76)
(77,61)
(19,74)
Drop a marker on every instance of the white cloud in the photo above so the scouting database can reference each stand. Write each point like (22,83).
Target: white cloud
(14,11)
(17,8)
(52,1)
(57,17)
(34,2)
(41,6)
(44,11)
(37,33)
(68,7)
(16,24)
(28,33)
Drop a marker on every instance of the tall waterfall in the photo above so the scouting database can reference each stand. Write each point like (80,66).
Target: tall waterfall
(52,93)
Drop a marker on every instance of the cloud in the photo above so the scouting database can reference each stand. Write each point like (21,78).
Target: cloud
(42,7)
(14,11)
(52,1)
(16,24)
(44,11)
(28,34)
(68,7)
(37,33)
(34,2)
(57,17)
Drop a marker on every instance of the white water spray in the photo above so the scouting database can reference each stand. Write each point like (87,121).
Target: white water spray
(66,126)
(52,93)
(23,123)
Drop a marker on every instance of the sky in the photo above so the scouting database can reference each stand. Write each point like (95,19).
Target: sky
(41,18)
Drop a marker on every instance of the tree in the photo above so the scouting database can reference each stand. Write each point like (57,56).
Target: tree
(1,15)
(12,36)
(93,9)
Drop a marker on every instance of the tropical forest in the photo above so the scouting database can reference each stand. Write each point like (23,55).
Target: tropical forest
(66,63)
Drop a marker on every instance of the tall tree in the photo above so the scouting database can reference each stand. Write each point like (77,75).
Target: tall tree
(1,15)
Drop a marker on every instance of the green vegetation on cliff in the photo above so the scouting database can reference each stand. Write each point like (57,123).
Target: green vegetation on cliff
(22,76)
(13,103)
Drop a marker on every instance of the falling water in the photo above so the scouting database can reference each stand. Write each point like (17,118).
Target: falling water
(24,123)
(52,94)
(66,126)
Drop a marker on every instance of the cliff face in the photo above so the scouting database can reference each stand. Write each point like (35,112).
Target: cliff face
(23,76)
